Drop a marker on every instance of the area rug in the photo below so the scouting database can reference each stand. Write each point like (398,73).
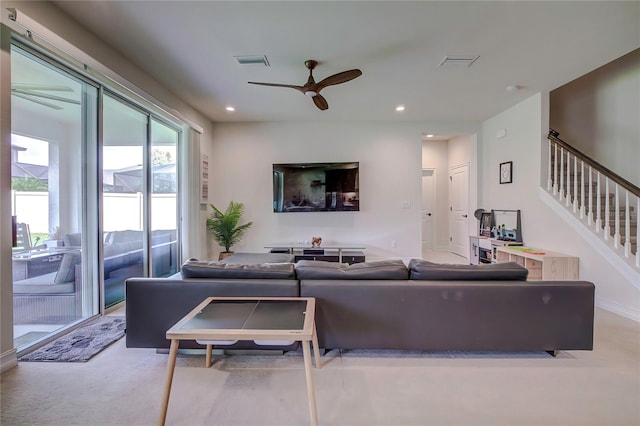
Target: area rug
(81,344)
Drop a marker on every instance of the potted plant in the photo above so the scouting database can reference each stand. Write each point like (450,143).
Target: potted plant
(224,226)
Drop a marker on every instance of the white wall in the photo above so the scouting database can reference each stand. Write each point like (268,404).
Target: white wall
(526,130)
(241,159)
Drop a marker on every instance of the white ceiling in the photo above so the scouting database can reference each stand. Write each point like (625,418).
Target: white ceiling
(190,47)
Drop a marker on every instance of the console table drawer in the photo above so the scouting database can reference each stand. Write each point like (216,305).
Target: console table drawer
(322,257)
(351,257)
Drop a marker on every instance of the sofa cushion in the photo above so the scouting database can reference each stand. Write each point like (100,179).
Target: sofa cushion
(67,270)
(375,270)
(425,270)
(204,269)
(256,258)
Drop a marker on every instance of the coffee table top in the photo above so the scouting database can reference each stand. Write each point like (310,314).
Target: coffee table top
(248,318)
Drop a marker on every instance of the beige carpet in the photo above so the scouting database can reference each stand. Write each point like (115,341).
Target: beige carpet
(123,386)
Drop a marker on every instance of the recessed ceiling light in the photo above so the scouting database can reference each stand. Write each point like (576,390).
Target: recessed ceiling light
(513,88)
(230,108)
(400,108)
(429,136)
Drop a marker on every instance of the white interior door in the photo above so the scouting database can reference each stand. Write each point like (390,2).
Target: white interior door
(459,210)
(428,208)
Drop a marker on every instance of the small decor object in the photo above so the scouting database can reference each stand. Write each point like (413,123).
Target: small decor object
(224,228)
(506,172)
(316,241)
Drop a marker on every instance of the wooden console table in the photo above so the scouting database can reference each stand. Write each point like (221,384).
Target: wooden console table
(542,264)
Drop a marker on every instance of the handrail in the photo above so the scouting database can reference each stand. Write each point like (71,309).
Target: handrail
(553,135)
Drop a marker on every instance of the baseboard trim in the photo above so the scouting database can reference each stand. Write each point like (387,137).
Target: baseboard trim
(8,360)
(617,308)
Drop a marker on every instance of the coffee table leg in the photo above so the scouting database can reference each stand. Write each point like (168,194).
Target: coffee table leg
(173,353)
(207,361)
(316,350)
(306,351)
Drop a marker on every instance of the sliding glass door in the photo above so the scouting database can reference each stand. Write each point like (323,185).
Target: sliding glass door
(53,122)
(123,164)
(139,202)
(164,201)
(94,195)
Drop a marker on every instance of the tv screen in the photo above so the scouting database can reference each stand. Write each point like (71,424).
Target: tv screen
(316,187)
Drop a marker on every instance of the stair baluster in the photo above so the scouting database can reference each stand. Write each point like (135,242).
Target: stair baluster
(619,223)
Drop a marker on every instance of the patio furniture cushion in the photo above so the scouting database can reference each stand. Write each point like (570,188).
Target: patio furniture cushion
(67,270)
(43,284)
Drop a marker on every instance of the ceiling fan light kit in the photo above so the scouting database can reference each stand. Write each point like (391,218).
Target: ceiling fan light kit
(312,89)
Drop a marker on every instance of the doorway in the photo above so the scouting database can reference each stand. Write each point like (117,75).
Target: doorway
(459,210)
(428,208)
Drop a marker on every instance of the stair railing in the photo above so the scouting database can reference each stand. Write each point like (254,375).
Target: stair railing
(578,181)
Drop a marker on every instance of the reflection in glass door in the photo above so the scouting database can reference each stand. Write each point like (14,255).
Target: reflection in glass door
(164,203)
(123,165)
(139,202)
(52,112)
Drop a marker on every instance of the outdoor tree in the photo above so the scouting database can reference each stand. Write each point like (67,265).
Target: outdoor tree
(28,184)
(160,157)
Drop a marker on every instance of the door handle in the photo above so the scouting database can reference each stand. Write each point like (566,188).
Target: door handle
(428,214)
(464,215)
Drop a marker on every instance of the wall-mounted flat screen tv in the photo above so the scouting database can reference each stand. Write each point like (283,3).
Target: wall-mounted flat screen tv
(316,187)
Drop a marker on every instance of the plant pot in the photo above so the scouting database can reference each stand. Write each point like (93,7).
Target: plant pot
(224,254)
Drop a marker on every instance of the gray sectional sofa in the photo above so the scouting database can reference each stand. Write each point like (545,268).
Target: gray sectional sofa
(382,305)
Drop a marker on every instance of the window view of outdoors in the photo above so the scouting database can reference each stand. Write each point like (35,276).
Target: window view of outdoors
(124,198)
(47,125)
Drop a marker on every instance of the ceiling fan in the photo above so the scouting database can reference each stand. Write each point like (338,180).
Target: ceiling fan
(32,92)
(312,89)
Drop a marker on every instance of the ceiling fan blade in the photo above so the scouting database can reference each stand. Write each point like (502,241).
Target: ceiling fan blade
(341,77)
(291,86)
(38,101)
(47,87)
(320,102)
(46,96)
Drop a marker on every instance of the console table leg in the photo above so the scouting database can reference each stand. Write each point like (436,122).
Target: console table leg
(306,351)
(171,364)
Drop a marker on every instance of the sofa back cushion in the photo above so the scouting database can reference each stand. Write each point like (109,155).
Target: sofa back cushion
(376,270)
(255,258)
(425,270)
(194,268)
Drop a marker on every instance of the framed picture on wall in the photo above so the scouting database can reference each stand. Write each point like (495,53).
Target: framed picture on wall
(506,172)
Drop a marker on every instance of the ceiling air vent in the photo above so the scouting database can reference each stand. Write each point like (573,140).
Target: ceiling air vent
(252,60)
(458,60)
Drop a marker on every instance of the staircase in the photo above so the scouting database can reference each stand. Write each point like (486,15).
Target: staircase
(605,203)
